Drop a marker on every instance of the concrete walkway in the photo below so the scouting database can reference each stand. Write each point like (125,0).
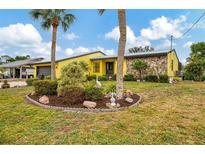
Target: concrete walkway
(15,83)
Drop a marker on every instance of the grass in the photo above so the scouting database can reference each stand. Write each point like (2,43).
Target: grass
(170,114)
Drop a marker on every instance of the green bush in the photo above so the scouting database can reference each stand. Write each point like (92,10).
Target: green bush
(203,77)
(48,77)
(151,78)
(73,95)
(114,77)
(102,78)
(91,92)
(110,88)
(45,87)
(72,75)
(5,85)
(90,77)
(129,77)
(188,76)
(163,79)
(30,81)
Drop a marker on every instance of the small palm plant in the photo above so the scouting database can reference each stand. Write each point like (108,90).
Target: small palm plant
(53,18)
(140,66)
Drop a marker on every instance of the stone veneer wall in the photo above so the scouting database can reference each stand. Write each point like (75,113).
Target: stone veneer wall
(157,65)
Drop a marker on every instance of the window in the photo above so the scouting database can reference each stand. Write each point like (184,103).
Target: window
(172,65)
(96,67)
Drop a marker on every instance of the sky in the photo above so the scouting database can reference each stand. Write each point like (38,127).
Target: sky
(21,35)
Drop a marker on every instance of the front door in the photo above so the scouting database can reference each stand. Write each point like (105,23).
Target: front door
(109,68)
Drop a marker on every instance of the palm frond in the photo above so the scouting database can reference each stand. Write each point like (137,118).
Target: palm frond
(67,20)
(101,11)
(46,24)
(36,13)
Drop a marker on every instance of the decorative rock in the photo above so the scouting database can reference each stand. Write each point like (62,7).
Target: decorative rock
(89,104)
(118,105)
(129,100)
(110,106)
(108,95)
(44,99)
(113,104)
(128,93)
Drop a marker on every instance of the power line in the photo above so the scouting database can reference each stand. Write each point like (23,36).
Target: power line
(192,26)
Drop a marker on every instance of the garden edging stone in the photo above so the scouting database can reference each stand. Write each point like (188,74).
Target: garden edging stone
(68,109)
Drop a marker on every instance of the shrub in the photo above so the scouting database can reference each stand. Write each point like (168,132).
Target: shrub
(151,78)
(102,78)
(129,77)
(110,88)
(5,85)
(72,76)
(194,70)
(30,81)
(48,77)
(114,77)
(73,95)
(45,87)
(90,77)
(188,76)
(203,77)
(92,93)
(163,79)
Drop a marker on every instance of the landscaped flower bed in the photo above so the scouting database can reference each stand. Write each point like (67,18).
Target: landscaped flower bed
(59,101)
(73,91)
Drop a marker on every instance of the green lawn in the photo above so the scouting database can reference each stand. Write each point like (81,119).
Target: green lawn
(170,114)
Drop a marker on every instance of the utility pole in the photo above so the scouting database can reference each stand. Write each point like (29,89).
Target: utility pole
(171,42)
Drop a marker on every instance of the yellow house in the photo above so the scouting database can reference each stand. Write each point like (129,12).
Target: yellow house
(162,62)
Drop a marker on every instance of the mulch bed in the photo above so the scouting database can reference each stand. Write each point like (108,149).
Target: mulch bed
(101,104)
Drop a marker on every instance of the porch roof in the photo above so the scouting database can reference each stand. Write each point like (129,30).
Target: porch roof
(20,63)
(136,55)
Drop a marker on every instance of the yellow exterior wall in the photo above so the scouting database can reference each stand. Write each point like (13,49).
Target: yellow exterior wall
(172,57)
(62,63)
(103,66)
(87,58)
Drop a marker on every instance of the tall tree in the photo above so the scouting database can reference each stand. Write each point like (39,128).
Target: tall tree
(196,62)
(22,57)
(6,59)
(121,50)
(53,18)
(140,49)
(197,52)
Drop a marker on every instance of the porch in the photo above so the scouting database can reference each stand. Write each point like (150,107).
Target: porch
(108,67)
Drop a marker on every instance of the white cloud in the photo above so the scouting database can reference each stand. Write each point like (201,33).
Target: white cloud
(162,27)
(81,50)
(24,38)
(71,36)
(165,45)
(132,39)
(188,44)
(19,35)
(69,51)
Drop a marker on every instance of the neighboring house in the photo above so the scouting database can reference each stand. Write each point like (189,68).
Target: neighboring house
(19,69)
(160,62)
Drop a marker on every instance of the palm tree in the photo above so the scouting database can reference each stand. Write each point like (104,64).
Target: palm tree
(54,18)
(121,50)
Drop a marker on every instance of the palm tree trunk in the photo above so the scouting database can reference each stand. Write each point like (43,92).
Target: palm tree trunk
(121,51)
(53,52)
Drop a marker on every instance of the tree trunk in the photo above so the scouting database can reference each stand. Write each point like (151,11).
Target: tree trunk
(53,49)
(121,51)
